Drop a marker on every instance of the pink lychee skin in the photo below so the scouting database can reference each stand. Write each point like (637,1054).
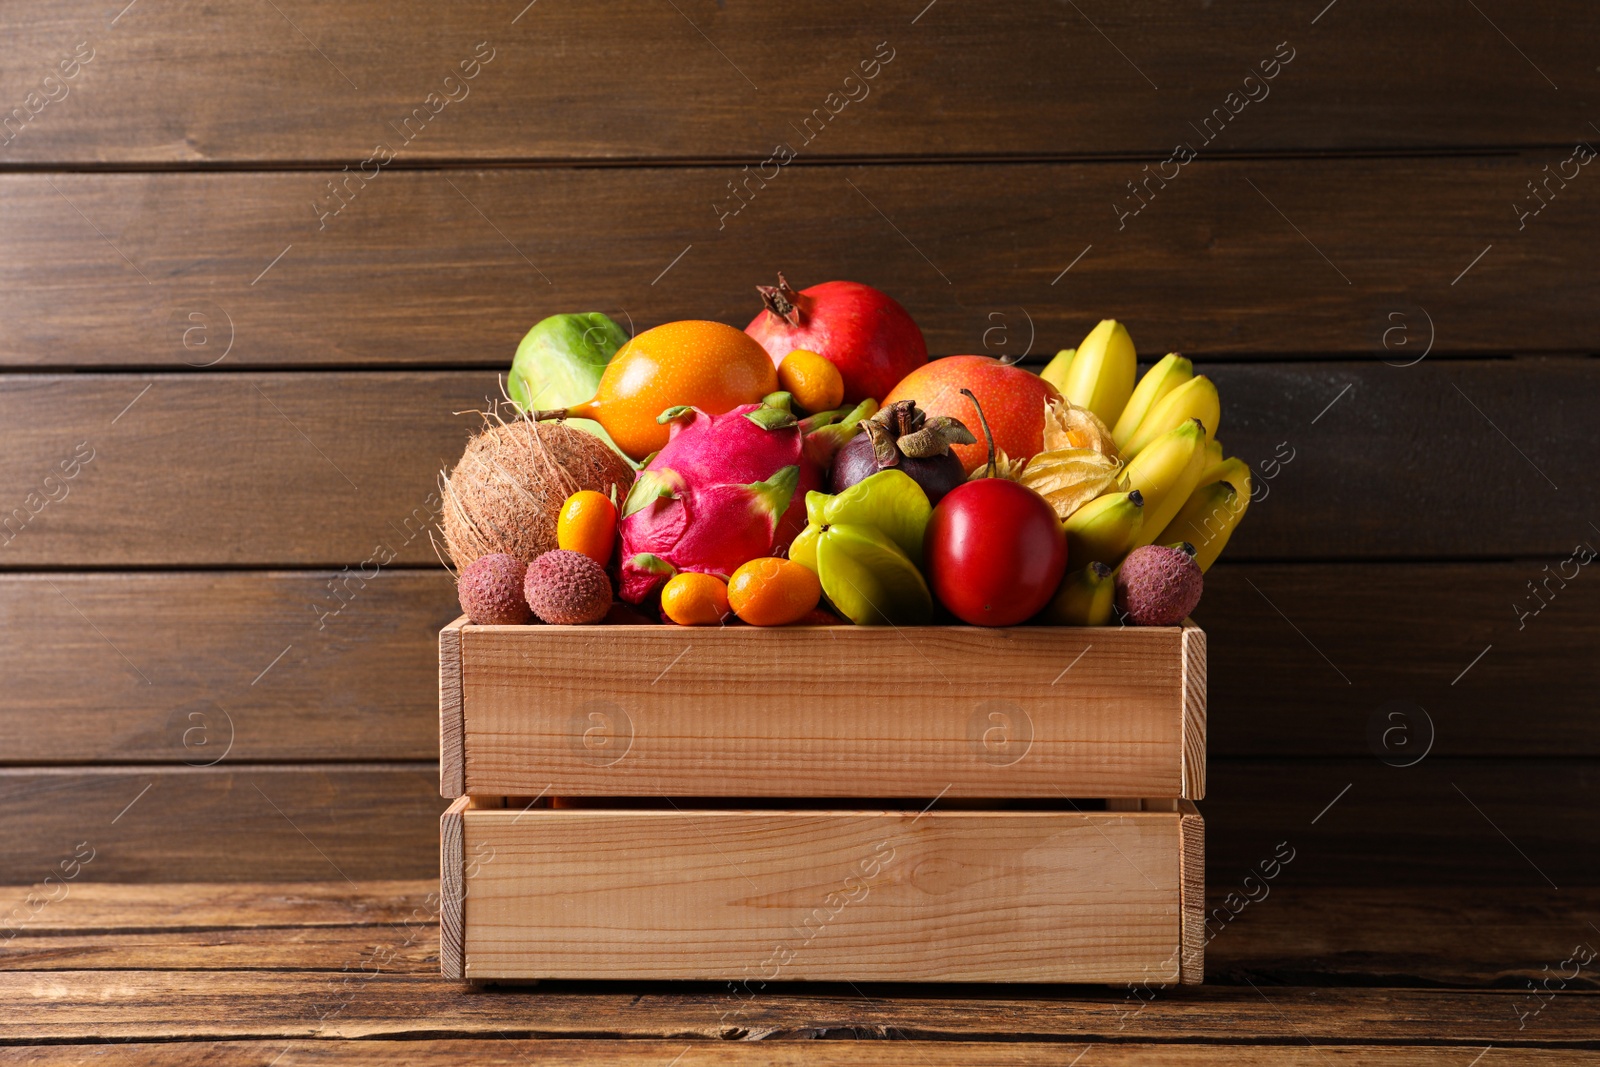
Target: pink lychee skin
(567,588)
(490,591)
(1158,586)
(712,526)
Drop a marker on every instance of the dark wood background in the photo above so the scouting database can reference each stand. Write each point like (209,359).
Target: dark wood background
(194,682)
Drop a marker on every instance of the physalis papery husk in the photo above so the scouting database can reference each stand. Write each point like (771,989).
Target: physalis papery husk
(1071,477)
(1068,426)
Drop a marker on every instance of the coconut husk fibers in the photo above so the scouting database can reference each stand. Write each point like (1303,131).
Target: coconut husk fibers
(507,490)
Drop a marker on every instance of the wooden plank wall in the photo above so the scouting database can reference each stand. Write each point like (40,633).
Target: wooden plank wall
(254,258)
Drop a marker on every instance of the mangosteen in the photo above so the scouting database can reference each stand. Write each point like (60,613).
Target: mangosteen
(902,436)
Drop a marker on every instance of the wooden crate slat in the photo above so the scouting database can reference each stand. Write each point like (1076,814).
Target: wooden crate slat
(847,894)
(1192,950)
(1194,711)
(905,712)
(452,890)
(452,730)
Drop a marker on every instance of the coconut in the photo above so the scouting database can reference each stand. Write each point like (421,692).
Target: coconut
(505,494)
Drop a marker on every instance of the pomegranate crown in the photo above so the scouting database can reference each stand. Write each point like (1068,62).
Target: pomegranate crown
(783,301)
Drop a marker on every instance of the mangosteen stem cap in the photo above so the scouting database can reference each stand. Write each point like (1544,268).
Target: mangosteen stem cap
(903,429)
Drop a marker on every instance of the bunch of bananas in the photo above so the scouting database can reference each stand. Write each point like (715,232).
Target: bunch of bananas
(1176,487)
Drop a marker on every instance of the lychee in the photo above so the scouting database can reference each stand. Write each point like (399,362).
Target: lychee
(491,591)
(567,588)
(1158,586)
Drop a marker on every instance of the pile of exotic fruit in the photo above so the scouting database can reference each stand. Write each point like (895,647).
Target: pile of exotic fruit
(817,468)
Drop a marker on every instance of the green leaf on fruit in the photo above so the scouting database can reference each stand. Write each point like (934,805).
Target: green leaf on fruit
(651,486)
(772,418)
(773,495)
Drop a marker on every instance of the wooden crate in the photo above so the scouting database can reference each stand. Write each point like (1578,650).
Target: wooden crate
(750,895)
(833,711)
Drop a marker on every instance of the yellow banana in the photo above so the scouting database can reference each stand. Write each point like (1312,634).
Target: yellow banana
(1055,372)
(1084,599)
(1100,376)
(1213,455)
(1105,529)
(1206,520)
(1158,381)
(1165,473)
(1194,399)
(1233,470)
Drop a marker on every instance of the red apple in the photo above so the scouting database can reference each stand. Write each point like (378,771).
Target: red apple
(995,552)
(1012,398)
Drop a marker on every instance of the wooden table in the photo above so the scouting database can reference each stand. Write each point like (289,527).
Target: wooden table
(283,974)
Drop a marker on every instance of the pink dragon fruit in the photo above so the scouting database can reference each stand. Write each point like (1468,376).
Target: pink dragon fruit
(718,495)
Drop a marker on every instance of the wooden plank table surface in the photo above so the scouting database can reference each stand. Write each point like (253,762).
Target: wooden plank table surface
(338,971)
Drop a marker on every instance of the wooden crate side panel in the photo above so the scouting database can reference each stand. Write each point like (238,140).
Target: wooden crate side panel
(914,712)
(452,890)
(823,895)
(1192,833)
(452,731)
(1194,711)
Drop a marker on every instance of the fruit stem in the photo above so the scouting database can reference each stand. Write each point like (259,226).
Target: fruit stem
(783,301)
(585,410)
(987,435)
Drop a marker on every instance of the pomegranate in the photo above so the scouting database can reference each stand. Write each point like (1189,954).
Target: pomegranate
(860,330)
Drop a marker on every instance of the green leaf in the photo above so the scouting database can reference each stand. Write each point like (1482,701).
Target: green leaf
(773,418)
(649,487)
(651,563)
(773,495)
